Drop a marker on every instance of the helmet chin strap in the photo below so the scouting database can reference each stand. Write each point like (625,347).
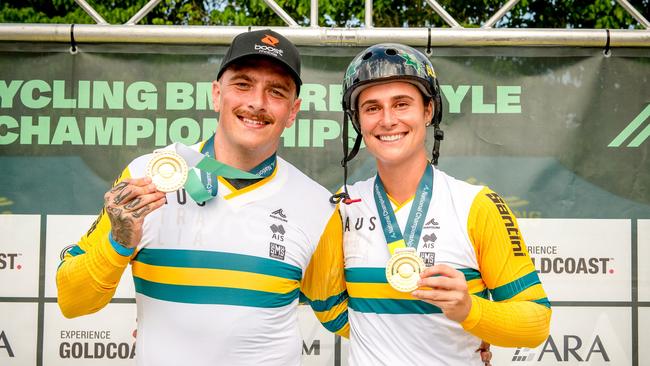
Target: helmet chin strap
(438,135)
(344,196)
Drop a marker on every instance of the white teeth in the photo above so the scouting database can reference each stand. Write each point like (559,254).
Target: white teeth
(391,137)
(252,121)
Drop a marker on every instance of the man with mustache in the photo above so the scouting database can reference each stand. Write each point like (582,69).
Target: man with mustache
(217,281)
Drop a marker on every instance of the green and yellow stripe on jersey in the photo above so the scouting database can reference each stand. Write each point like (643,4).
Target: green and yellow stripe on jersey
(370,292)
(327,295)
(206,277)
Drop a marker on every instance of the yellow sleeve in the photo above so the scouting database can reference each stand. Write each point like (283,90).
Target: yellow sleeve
(519,314)
(90,272)
(323,285)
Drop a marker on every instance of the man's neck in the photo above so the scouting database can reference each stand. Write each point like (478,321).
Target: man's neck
(401,180)
(238,157)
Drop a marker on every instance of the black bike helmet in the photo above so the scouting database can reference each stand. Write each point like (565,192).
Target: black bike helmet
(387,62)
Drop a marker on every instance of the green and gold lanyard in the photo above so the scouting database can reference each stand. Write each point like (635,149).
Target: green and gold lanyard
(416,218)
(205,188)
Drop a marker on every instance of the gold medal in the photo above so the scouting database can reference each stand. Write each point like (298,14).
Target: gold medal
(403,269)
(168,170)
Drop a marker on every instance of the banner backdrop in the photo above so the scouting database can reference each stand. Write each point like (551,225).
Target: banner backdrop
(562,134)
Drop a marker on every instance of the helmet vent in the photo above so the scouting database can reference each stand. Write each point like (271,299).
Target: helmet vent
(391,52)
(367,55)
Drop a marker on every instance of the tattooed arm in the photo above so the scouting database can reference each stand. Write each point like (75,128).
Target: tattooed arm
(127,204)
(90,271)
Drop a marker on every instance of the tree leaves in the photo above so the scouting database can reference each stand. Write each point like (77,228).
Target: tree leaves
(334,13)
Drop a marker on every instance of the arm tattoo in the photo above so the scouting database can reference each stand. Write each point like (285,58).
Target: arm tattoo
(114,212)
(133,203)
(118,187)
(122,225)
(123,233)
(137,214)
(120,197)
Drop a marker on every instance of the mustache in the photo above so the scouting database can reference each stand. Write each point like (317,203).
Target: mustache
(260,116)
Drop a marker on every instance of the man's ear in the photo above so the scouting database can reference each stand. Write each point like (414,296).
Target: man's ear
(216,95)
(295,108)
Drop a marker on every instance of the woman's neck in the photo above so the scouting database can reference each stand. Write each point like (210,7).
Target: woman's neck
(401,180)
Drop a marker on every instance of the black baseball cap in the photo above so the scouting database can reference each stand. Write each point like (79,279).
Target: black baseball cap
(265,43)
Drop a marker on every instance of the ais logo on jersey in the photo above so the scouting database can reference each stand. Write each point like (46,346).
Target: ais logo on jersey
(429,241)
(276,250)
(277,232)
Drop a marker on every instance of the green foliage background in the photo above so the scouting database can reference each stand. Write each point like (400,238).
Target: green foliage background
(334,13)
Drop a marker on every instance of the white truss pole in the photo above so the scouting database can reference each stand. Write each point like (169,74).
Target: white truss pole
(142,12)
(443,14)
(313,15)
(281,13)
(499,14)
(367,18)
(90,11)
(321,36)
(634,13)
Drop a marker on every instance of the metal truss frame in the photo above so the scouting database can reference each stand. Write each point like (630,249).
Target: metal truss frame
(314,35)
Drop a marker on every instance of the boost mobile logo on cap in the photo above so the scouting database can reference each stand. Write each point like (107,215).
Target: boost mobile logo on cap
(269,46)
(270,40)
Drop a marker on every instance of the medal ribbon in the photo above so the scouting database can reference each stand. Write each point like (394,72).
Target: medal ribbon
(205,188)
(416,218)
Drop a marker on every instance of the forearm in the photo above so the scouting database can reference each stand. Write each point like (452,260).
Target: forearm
(324,281)
(508,324)
(86,282)
(519,315)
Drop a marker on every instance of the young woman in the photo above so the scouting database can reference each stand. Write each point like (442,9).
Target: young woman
(439,264)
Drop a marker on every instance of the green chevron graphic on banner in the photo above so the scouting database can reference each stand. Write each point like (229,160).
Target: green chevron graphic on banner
(633,126)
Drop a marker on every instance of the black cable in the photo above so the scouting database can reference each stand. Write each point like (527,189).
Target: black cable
(73,43)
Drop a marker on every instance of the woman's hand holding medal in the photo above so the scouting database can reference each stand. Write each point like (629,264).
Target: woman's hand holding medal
(446,289)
